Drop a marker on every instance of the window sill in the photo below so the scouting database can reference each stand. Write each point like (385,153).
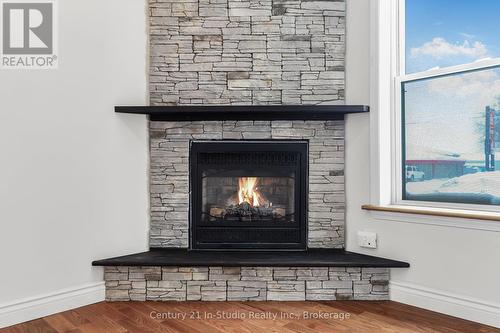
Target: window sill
(437,216)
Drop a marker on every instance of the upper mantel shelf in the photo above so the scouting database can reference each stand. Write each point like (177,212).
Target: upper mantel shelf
(244,112)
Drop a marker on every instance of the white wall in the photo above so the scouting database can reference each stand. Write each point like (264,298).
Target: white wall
(453,270)
(73,174)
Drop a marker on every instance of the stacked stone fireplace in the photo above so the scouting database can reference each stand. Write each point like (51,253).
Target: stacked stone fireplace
(246,52)
(170,223)
(170,148)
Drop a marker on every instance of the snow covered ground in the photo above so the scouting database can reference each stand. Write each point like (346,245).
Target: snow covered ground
(481,183)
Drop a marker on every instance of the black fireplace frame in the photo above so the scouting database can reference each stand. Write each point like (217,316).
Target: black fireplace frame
(301,147)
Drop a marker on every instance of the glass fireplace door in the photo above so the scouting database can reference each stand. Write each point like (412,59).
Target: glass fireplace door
(248,198)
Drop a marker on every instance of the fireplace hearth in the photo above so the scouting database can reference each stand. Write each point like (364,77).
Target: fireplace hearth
(247,210)
(249,195)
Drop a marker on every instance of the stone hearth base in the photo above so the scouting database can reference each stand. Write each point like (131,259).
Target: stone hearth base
(245,283)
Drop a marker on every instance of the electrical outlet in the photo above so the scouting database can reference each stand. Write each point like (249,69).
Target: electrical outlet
(367,239)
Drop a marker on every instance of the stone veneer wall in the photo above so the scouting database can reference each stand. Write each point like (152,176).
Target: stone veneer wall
(245,283)
(247,51)
(170,174)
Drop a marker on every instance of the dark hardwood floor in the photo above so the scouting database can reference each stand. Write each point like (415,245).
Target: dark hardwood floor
(261,317)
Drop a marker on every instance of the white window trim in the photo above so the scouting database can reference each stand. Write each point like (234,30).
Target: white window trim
(387,57)
(383,68)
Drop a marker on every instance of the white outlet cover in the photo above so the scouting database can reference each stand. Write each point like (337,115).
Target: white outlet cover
(367,239)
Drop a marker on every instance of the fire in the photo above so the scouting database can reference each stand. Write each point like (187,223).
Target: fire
(248,192)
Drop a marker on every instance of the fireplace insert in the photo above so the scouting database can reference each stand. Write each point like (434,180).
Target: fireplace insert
(249,195)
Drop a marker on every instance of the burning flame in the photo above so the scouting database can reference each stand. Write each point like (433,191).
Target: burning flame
(248,192)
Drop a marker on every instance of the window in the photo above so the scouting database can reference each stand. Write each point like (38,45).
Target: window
(448,104)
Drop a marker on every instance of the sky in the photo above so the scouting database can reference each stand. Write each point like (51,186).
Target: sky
(462,31)
(446,114)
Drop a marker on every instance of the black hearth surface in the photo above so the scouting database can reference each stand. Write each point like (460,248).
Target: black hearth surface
(309,258)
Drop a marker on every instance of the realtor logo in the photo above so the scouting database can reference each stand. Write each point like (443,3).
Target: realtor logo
(28,30)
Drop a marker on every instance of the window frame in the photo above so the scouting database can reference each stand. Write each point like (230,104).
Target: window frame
(388,55)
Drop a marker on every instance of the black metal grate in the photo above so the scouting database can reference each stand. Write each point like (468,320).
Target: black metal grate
(253,235)
(257,159)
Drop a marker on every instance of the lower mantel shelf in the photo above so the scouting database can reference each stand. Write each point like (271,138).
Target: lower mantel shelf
(310,258)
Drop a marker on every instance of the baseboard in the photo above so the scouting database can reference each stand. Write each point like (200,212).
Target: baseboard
(444,302)
(431,299)
(45,305)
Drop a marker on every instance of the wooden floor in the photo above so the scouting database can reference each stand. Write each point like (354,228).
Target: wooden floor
(218,317)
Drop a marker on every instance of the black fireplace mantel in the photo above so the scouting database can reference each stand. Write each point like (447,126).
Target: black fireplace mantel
(243,112)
